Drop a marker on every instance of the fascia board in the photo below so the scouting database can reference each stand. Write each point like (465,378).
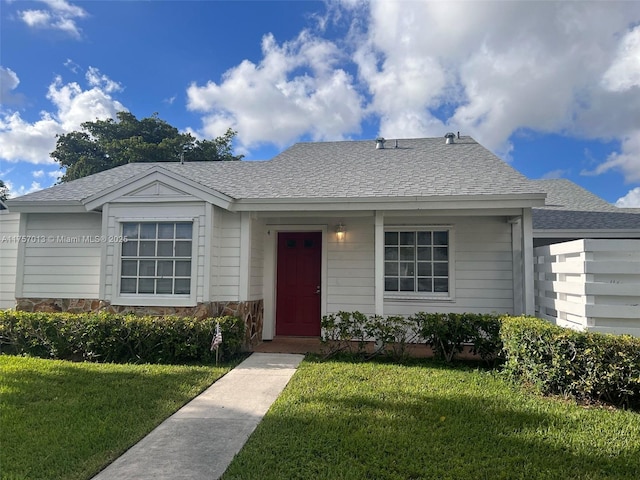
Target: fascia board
(580,233)
(158,174)
(488,212)
(390,203)
(46,207)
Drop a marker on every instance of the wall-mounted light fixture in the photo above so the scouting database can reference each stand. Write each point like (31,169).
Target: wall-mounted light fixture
(340,232)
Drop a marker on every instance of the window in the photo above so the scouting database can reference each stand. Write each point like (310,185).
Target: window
(156,258)
(417,261)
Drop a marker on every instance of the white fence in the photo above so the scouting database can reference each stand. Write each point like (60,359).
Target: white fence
(589,285)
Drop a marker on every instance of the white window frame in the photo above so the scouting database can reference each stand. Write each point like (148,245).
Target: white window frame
(417,295)
(161,300)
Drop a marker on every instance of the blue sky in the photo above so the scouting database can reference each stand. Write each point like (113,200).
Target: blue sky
(553,88)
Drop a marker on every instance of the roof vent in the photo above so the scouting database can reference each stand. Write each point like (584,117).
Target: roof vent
(450,138)
(380,143)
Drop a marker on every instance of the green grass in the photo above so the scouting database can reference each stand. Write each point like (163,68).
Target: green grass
(341,420)
(63,420)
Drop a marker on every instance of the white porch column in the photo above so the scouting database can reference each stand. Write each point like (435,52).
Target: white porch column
(517,264)
(527,259)
(245,256)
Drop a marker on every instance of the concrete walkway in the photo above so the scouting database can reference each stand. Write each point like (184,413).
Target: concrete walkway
(199,441)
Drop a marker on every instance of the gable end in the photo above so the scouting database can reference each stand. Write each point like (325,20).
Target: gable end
(158,185)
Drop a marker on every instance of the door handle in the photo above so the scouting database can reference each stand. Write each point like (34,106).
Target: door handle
(318,290)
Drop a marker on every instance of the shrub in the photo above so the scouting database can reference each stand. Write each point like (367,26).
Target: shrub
(448,333)
(343,332)
(105,337)
(392,334)
(444,333)
(585,365)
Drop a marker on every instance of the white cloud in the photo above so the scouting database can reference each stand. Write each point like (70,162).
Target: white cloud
(624,72)
(19,190)
(627,160)
(422,68)
(61,15)
(72,66)
(295,90)
(38,173)
(418,68)
(9,81)
(55,174)
(97,79)
(630,200)
(497,66)
(558,173)
(32,142)
(35,18)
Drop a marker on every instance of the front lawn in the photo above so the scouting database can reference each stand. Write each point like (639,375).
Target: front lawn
(63,420)
(342,420)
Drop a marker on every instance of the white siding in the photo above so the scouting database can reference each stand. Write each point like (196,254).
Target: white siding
(350,267)
(256,268)
(119,212)
(9,229)
(481,252)
(482,274)
(483,268)
(66,263)
(225,258)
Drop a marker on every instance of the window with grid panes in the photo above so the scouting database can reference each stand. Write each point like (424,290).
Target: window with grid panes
(416,261)
(156,258)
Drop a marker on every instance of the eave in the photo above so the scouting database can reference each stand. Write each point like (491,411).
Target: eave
(53,206)
(586,233)
(468,202)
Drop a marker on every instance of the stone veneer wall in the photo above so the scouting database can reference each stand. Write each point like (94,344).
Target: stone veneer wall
(252,312)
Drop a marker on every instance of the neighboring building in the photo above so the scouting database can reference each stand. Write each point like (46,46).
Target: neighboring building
(572,213)
(383,228)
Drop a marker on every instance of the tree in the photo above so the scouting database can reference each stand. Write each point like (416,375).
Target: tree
(104,144)
(4,191)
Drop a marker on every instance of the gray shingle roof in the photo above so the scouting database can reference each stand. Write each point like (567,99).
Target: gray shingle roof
(563,194)
(349,169)
(571,207)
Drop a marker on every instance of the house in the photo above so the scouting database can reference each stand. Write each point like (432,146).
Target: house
(9,229)
(384,227)
(571,213)
(586,261)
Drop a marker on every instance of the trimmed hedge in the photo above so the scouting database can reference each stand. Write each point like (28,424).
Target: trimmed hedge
(585,365)
(104,337)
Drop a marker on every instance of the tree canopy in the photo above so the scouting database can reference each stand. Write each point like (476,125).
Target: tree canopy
(104,144)
(4,191)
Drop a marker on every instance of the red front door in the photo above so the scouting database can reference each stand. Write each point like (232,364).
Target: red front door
(298,283)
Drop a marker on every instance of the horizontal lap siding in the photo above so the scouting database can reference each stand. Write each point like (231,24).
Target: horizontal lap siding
(65,265)
(225,268)
(483,274)
(350,268)
(9,228)
(256,268)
